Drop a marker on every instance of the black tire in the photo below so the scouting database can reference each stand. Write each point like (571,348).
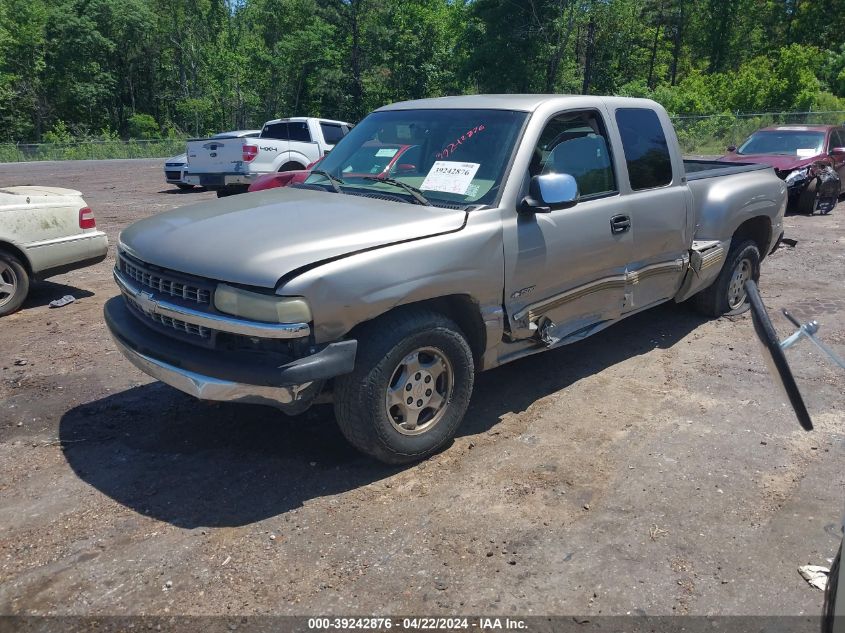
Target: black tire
(15,284)
(291,167)
(361,406)
(716,300)
(184,186)
(808,200)
(830,591)
(232,190)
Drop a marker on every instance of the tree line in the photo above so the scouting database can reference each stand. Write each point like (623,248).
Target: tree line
(158,68)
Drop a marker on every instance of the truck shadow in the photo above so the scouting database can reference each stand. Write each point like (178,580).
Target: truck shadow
(191,464)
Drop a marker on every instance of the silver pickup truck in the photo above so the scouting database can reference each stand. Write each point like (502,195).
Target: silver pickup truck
(509,225)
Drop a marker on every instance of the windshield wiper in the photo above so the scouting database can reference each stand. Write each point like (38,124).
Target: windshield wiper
(416,193)
(334,180)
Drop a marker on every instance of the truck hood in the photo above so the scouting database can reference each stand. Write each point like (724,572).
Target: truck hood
(256,238)
(778,161)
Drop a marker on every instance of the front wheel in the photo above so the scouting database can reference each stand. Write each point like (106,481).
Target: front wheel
(727,294)
(808,201)
(410,388)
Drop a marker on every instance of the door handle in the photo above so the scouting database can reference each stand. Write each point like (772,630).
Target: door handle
(620,224)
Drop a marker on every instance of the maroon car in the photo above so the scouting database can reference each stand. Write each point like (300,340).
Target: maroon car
(810,158)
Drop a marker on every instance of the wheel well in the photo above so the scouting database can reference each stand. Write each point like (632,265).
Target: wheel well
(11,249)
(758,229)
(291,166)
(462,310)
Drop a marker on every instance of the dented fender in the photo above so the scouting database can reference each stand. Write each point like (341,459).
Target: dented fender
(351,290)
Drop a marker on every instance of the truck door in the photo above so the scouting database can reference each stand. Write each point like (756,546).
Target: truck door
(273,143)
(568,273)
(332,133)
(658,207)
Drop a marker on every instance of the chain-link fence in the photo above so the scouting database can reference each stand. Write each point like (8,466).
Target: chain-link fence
(90,150)
(712,135)
(698,135)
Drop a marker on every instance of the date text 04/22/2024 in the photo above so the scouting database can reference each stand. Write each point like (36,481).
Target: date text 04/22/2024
(416,624)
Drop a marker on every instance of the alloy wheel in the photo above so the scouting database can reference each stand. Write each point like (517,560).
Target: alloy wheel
(8,283)
(419,391)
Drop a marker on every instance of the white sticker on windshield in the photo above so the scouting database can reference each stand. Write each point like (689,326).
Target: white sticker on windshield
(386,152)
(806,153)
(450,177)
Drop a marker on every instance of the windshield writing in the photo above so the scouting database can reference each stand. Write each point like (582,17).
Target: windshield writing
(452,156)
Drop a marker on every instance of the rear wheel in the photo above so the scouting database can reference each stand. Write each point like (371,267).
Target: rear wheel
(727,294)
(291,167)
(232,190)
(410,388)
(14,284)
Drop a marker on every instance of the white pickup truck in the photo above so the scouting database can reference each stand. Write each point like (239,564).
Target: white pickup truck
(231,165)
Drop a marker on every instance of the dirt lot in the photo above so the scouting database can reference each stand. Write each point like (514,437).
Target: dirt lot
(650,469)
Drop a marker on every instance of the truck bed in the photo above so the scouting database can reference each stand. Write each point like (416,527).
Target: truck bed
(699,169)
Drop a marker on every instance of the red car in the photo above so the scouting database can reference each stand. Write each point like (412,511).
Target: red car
(373,159)
(281,178)
(810,158)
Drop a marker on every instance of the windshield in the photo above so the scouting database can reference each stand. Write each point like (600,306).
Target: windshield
(452,156)
(803,144)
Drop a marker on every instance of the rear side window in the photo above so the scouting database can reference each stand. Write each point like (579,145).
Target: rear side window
(645,147)
(298,131)
(275,130)
(331,132)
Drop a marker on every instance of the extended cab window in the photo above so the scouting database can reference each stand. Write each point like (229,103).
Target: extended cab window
(332,133)
(298,131)
(576,143)
(287,131)
(645,147)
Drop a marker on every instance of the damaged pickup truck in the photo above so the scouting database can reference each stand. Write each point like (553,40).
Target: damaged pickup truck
(809,158)
(514,224)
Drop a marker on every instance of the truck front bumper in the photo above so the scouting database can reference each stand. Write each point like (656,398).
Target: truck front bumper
(210,374)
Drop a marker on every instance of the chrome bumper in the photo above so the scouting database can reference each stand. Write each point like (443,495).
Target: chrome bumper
(207,387)
(221,323)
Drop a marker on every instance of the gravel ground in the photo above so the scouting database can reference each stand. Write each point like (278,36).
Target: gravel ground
(650,469)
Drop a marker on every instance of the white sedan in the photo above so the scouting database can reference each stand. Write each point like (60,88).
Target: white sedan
(176,167)
(44,231)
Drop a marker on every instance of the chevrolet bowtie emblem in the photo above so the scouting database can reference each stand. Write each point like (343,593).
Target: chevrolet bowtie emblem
(146,302)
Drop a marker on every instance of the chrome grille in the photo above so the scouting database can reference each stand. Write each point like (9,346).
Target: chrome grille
(176,324)
(162,282)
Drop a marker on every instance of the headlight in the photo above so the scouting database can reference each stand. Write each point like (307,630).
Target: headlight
(258,307)
(795,177)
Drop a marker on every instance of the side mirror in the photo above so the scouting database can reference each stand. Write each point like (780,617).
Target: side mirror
(837,150)
(404,168)
(548,192)
(731,148)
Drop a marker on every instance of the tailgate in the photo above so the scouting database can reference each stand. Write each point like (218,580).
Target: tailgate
(215,156)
